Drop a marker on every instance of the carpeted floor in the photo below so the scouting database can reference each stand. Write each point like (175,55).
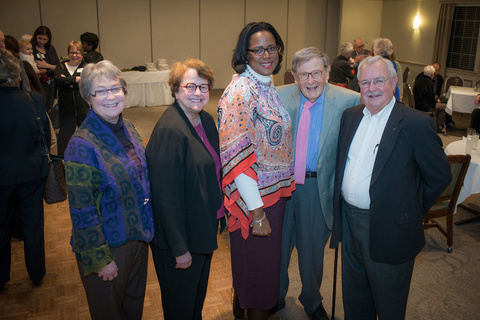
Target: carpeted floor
(444,285)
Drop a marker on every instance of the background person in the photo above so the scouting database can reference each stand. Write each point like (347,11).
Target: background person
(184,163)
(309,212)
(73,109)
(390,169)
(384,47)
(257,160)
(90,43)
(23,170)
(109,197)
(425,100)
(342,66)
(11,44)
(359,53)
(475,121)
(47,59)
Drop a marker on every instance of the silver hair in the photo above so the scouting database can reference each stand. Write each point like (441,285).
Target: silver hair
(104,70)
(371,60)
(307,54)
(383,46)
(9,69)
(428,71)
(346,48)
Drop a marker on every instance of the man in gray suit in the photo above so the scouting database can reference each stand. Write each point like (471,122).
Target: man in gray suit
(308,215)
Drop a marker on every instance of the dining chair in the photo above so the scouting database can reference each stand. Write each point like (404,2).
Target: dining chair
(406,73)
(445,204)
(407,92)
(453,81)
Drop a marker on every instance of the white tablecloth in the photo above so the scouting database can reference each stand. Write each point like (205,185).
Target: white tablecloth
(147,88)
(471,184)
(460,99)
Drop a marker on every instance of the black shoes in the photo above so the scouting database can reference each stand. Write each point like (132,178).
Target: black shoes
(319,313)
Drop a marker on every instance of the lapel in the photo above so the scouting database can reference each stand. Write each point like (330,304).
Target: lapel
(389,138)
(292,103)
(328,115)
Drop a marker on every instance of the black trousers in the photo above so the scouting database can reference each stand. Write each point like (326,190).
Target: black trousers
(68,125)
(475,122)
(26,200)
(183,290)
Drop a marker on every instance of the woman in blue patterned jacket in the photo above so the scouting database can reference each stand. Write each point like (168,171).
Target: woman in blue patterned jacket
(109,196)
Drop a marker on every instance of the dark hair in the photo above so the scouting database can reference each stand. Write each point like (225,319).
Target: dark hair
(91,39)
(177,71)
(11,44)
(240,54)
(45,31)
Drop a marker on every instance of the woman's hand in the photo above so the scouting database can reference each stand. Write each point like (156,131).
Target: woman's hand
(184,261)
(109,272)
(262,228)
(41,64)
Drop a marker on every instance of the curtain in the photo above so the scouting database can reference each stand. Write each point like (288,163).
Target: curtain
(442,35)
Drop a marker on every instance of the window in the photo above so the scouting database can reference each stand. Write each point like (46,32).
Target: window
(462,50)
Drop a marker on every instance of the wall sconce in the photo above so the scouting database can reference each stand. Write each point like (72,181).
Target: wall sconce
(416,22)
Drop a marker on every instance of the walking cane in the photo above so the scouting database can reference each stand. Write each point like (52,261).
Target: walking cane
(334,282)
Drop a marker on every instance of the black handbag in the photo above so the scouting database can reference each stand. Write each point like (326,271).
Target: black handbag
(56,184)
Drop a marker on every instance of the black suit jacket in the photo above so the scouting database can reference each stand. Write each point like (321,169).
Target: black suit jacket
(183,180)
(23,158)
(411,170)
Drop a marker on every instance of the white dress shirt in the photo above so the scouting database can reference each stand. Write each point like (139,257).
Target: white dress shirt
(361,157)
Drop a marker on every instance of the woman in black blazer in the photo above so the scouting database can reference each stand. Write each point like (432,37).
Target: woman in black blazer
(184,164)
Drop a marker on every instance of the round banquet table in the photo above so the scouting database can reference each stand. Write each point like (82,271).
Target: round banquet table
(471,184)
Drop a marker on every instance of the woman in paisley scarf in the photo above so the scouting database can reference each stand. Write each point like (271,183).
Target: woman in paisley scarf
(109,197)
(257,162)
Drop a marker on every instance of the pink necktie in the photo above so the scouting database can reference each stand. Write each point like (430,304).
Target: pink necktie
(302,143)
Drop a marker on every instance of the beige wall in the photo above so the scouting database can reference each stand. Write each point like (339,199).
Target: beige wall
(135,32)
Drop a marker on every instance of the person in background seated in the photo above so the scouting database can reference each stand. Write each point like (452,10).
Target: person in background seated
(475,122)
(90,43)
(342,67)
(109,197)
(359,53)
(424,95)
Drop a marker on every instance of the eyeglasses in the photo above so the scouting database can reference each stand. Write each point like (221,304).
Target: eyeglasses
(379,82)
(75,53)
(259,51)
(104,92)
(192,87)
(317,74)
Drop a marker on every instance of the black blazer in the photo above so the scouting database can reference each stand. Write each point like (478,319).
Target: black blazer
(411,170)
(23,158)
(70,103)
(183,180)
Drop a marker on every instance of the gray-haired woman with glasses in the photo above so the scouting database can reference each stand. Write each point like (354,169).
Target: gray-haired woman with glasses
(184,164)
(109,197)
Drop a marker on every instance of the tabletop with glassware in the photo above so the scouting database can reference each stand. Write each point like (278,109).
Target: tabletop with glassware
(471,184)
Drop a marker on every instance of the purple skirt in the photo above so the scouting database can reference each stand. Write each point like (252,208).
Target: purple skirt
(256,263)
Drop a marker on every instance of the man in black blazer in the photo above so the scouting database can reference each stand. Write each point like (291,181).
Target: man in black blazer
(390,169)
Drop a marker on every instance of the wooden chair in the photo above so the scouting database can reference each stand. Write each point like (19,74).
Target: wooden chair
(407,92)
(445,204)
(406,73)
(452,81)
